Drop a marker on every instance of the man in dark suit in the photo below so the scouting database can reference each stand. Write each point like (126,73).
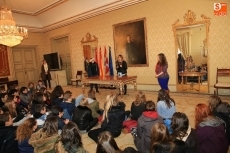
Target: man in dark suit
(45,73)
(93,70)
(131,51)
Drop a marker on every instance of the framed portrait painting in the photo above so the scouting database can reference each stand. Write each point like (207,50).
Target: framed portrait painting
(130,41)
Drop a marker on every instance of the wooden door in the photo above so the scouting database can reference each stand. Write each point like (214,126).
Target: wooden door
(25,66)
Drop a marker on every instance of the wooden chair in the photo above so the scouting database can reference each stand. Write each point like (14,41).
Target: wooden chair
(219,84)
(78,78)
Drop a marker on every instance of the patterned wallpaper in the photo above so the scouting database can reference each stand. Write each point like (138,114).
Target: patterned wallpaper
(160,15)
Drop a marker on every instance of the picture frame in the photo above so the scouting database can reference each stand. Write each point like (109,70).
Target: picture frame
(130,41)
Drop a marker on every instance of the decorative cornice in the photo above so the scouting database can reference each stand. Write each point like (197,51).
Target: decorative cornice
(83,16)
(41,10)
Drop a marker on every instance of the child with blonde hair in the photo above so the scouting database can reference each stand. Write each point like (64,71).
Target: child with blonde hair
(112,118)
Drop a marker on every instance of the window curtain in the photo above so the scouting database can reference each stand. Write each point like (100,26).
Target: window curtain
(4,63)
(183,44)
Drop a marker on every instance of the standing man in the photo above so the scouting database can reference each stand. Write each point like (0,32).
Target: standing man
(121,67)
(131,51)
(93,70)
(45,74)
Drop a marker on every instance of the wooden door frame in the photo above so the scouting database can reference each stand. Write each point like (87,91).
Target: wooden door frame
(25,47)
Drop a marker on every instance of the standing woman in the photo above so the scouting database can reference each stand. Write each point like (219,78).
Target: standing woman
(161,72)
(45,73)
(121,67)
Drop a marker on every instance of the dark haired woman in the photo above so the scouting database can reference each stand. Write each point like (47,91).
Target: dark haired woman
(39,98)
(161,141)
(145,122)
(182,131)
(45,139)
(165,107)
(121,67)
(45,73)
(24,133)
(210,131)
(56,96)
(161,72)
(107,144)
(70,141)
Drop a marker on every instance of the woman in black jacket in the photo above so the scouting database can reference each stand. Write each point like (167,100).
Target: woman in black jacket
(82,116)
(121,67)
(113,117)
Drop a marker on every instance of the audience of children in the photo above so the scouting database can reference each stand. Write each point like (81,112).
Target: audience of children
(165,107)
(142,134)
(23,135)
(158,130)
(113,117)
(82,116)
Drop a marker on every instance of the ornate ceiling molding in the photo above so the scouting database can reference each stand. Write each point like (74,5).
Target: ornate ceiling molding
(86,15)
(55,4)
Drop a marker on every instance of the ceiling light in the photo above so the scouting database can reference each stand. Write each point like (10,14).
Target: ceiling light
(10,34)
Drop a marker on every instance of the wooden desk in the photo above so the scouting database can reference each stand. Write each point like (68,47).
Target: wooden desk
(111,80)
(190,74)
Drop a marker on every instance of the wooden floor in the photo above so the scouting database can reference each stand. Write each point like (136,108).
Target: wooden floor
(185,102)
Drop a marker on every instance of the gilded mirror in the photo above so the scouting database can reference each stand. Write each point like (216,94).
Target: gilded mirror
(191,45)
(89,46)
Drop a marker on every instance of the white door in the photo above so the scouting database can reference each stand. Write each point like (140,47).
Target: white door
(25,66)
(61,45)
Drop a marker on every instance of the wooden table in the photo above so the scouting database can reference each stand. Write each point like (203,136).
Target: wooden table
(111,80)
(192,74)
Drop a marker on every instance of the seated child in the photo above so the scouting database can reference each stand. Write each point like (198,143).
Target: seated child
(3,98)
(24,97)
(7,134)
(93,104)
(14,92)
(31,89)
(58,112)
(10,108)
(137,108)
(82,116)
(40,85)
(44,91)
(40,114)
(142,134)
(67,105)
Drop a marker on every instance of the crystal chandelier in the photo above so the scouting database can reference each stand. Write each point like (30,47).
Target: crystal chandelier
(10,34)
